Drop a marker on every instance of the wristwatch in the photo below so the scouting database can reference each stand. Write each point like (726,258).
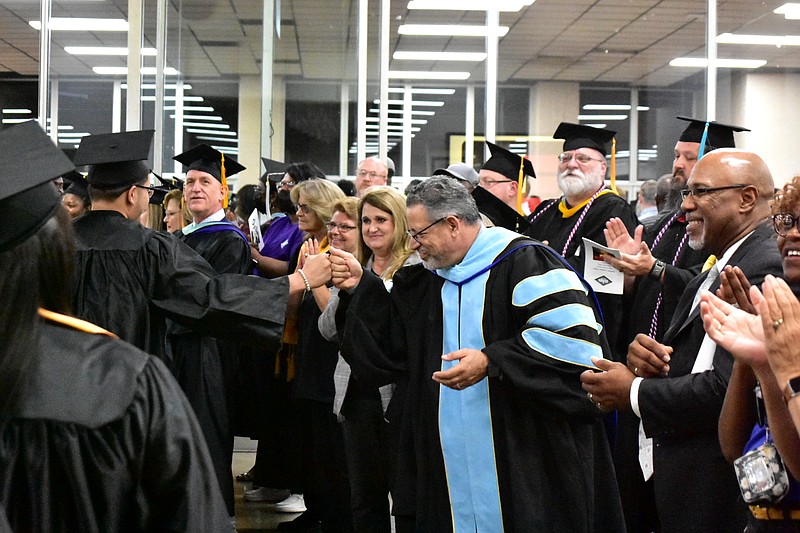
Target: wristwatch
(792,389)
(657,270)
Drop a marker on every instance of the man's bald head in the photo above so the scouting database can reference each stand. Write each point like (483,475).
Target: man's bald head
(728,197)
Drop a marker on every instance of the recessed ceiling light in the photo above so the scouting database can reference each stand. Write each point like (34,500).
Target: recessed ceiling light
(602,117)
(426,75)
(122,71)
(790,11)
(439,56)
(770,40)
(470,5)
(452,30)
(702,62)
(104,51)
(82,24)
(424,103)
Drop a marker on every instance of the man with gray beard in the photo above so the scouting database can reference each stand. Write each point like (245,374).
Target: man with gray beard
(584,209)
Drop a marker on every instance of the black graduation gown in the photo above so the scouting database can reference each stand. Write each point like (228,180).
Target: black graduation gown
(547,224)
(104,440)
(551,454)
(207,368)
(498,211)
(129,278)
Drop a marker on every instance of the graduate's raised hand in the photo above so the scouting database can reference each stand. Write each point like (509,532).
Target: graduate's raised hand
(648,358)
(346,271)
(637,264)
(317,270)
(734,288)
(617,236)
(471,368)
(780,318)
(734,330)
(309,247)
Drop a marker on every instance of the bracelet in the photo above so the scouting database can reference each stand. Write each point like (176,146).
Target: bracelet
(255,261)
(792,389)
(305,279)
(657,270)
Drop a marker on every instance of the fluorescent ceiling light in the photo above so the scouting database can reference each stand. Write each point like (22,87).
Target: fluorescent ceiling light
(451,30)
(375,127)
(226,150)
(209,132)
(172,86)
(470,5)
(599,125)
(82,24)
(73,135)
(400,112)
(104,51)
(602,117)
(64,127)
(121,71)
(209,126)
(424,103)
(151,98)
(426,75)
(397,120)
(198,109)
(790,11)
(702,62)
(15,120)
(212,118)
(770,40)
(217,139)
(17,111)
(420,90)
(613,107)
(439,56)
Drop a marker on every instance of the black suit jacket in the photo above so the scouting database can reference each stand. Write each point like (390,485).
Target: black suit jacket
(696,489)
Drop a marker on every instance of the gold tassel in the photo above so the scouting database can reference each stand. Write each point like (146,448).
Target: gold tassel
(224,182)
(520,182)
(614,165)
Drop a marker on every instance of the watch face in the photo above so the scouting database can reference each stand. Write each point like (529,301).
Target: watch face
(792,389)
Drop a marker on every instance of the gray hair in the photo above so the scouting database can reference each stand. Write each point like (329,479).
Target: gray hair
(648,191)
(442,196)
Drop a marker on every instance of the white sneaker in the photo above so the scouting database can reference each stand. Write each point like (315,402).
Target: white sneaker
(293,504)
(265,494)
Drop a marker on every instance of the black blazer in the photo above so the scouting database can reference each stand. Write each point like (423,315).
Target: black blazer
(696,489)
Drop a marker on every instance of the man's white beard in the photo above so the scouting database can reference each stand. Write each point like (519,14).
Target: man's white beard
(573,182)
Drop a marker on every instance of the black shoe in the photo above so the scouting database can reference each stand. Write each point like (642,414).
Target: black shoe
(304,523)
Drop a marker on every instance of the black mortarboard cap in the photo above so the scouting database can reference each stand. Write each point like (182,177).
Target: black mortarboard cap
(507,163)
(719,135)
(27,197)
(274,170)
(581,136)
(116,159)
(206,159)
(170,184)
(77,184)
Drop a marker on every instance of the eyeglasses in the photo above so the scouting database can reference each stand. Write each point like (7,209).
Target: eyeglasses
(287,184)
(701,191)
(486,184)
(583,159)
(343,228)
(372,174)
(150,190)
(302,207)
(421,233)
(784,222)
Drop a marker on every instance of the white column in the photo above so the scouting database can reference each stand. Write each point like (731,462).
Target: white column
(407,107)
(361,98)
(383,110)
(249,130)
(133,111)
(268,37)
(44,66)
(344,127)
(492,24)
(469,126)
(711,70)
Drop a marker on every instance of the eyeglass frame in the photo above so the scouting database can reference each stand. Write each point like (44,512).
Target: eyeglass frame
(361,173)
(699,192)
(302,207)
(150,189)
(795,223)
(490,183)
(343,228)
(574,155)
(421,233)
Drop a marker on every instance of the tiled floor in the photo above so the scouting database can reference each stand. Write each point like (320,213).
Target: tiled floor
(252,517)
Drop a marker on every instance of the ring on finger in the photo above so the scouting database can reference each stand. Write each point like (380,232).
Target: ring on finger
(777,323)
(636,371)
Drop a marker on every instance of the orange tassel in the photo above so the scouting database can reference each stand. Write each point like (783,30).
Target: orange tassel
(614,165)
(224,182)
